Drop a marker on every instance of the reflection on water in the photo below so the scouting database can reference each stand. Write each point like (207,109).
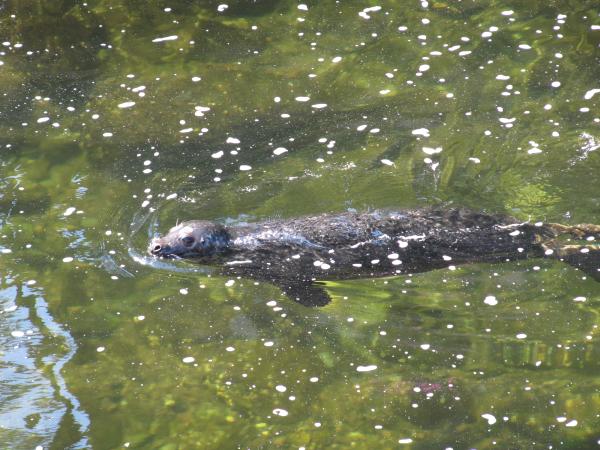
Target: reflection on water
(117,121)
(35,398)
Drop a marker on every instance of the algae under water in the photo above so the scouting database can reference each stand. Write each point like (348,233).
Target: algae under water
(119,118)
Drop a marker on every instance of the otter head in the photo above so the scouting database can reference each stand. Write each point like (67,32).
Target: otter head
(194,239)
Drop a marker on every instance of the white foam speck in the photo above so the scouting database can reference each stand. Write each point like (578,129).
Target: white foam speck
(491,420)
(302,98)
(186,130)
(17,333)
(67,259)
(502,77)
(314,379)
(589,94)
(555,84)
(421,132)
(279,151)
(521,336)
(107,134)
(70,210)
(280,412)
(166,38)
(196,79)
(571,423)
(280,388)
(319,105)
(232,140)
(217,155)
(524,47)
(369,368)
(230,283)
(245,167)
(405,441)
(189,359)
(172,196)
(269,344)
(490,300)
(507,12)
(387,162)
(126,105)
(336,59)
(579,299)
(100,349)
(222,7)
(425,346)
(43,119)
(424,67)
(183,291)
(230,349)
(432,151)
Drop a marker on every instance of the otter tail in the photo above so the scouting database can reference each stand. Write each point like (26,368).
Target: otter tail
(584,254)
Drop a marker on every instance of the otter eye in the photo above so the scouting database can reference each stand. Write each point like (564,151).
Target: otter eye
(187,241)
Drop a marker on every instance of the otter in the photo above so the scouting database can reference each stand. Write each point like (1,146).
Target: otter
(294,254)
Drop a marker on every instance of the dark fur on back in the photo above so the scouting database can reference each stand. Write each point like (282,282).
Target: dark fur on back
(293,253)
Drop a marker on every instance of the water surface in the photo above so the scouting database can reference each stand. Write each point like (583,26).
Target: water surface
(118,118)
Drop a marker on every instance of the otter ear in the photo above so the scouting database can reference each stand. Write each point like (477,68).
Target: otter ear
(305,292)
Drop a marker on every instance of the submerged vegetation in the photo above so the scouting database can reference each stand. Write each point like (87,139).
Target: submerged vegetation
(121,117)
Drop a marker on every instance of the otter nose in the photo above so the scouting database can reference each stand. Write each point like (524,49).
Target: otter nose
(157,248)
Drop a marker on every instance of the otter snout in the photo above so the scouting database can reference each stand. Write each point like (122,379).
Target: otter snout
(159,248)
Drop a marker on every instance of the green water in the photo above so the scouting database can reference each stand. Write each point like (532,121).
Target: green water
(484,104)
